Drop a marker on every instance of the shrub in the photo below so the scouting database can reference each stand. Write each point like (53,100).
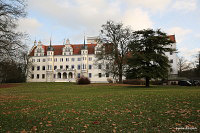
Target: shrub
(83,80)
(134,81)
(109,80)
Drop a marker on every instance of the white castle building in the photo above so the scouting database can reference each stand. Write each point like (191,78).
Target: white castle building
(68,62)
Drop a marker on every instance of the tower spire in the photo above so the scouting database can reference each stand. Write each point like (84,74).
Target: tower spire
(84,39)
(84,45)
(50,41)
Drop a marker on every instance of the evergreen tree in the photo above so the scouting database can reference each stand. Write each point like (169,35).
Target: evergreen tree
(147,57)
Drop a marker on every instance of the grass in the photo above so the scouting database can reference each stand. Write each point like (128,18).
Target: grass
(65,107)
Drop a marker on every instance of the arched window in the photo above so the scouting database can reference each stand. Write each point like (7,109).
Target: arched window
(59,75)
(70,75)
(64,75)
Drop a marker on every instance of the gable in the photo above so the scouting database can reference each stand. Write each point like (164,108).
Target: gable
(58,49)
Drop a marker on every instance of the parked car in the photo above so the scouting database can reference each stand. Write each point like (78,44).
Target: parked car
(195,82)
(185,83)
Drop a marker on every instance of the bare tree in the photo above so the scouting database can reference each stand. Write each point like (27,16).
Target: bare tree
(113,51)
(183,65)
(12,46)
(10,39)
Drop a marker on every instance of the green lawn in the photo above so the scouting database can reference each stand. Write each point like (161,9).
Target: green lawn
(64,107)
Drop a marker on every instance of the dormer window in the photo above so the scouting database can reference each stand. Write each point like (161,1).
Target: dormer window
(68,50)
(39,51)
(98,49)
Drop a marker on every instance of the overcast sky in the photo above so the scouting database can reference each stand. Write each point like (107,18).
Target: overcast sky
(64,19)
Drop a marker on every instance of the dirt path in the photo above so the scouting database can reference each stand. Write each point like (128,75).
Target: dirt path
(8,85)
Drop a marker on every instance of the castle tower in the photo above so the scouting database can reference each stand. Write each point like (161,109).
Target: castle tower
(84,60)
(50,63)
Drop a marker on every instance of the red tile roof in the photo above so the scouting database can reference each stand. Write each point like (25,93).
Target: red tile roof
(77,48)
(58,49)
(172,38)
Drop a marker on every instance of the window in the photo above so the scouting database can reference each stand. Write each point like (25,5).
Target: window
(90,66)
(171,70)
(32,76)
(43,76)
(61,59)
(54,76)
(79,75)
(171,61)
(67,67)
(43,67)
(99,66)
(43,60)
(33,60)
(79,67)
(73,59)
(38,60)
(49,59)
(38,68)
(90,75)
(99,75)
(61,66)
(84,66)
(107,66)
(171,53)
(107,74)
(79,59)
(72,66)
(67,59)
(49,67)
(38,76)
(55,67)
(90,58)
(32,68)
(55,59)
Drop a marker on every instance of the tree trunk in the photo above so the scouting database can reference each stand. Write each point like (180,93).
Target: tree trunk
(120,74)
(147,82)
(120,78)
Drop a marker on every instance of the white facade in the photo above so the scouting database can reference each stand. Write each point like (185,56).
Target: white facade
(66,66)
(66,63)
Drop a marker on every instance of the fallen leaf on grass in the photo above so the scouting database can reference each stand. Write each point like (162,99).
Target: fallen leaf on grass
(49,121)
(178,124)
(23,131)
(86,126)
(149,119)
(49,125)
(113,124)
(34,129)
(96,122)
